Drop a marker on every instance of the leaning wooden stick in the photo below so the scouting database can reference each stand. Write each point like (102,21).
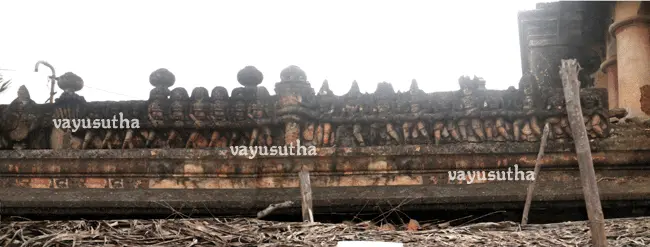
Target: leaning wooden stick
(538,166)
(272,208)
(569,73)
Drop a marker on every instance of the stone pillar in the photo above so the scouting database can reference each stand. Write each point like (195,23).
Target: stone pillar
(609,67)
(633,56)
(294,95)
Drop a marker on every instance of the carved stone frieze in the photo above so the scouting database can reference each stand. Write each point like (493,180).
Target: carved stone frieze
(249,115)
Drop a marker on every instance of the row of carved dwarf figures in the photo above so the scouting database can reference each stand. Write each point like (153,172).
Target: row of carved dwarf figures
(201,120)
(383,106)
(468,126)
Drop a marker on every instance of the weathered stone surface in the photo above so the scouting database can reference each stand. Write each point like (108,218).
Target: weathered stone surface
(251,116)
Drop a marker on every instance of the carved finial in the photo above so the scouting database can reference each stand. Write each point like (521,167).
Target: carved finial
(354,90)
(200,93)
(467,82)
(23,93)
(325,89)
(414,86)
(162,78)
(293,73)
(250,76)
(384,89)
(481,83)
(69,82)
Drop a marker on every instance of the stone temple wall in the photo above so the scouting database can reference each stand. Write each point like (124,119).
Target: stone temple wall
(251,116)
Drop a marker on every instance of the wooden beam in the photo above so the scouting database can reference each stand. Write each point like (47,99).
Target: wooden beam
(538,166)
(569,73)
(305,192)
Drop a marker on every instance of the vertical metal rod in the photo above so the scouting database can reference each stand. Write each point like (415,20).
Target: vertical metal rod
(52,78)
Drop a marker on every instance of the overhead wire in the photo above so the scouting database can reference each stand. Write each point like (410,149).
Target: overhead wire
(87,86)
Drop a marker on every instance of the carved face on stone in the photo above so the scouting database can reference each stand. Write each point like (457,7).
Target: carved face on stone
(556,102)
(590,102)
(135,112)
(257,109)
(240,109)
(177,110)
(467,88)
(324,105)
(383,107)
(492,102)
(528,103)
(415,107)
(199,110)
(310,128)
(156,110)
(528,90)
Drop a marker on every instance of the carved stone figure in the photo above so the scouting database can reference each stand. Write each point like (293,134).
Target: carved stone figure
(198,113)
(472,101)
(92,139)
(219,116)
(523,131)
(20,119)
(262,134)
(385,98)
(416,130)
(352,110)
(597,123)
(178,109)
(327,108)
(251,116)
(239,113)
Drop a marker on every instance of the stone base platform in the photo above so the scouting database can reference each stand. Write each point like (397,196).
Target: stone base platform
(151,181)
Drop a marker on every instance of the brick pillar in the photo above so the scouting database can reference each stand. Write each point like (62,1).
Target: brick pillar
(633,56)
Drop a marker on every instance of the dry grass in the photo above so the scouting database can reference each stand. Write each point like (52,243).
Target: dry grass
(252,232)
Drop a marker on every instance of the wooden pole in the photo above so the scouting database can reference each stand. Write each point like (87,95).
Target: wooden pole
(569,73)
(305,192)
(538,166)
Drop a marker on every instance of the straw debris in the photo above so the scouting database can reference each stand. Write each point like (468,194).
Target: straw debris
(253,232)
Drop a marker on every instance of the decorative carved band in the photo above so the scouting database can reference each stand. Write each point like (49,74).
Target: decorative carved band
(639,19)
(251,116)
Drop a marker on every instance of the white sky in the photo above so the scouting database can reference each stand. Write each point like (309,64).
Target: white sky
(115,45)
